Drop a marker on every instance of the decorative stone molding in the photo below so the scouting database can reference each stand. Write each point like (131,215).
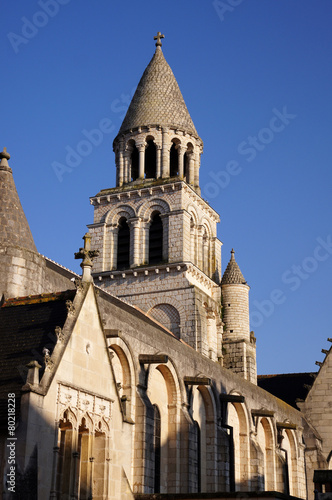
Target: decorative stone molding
(79,404)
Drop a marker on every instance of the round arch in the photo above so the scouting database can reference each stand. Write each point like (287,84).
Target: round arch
(174,304)
(167,315)
(266,442)
(153,205)
(113,216)
(163,391)
(125,375)
(238,420)
(204,415)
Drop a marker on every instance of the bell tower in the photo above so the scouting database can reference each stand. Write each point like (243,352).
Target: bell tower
(156,236)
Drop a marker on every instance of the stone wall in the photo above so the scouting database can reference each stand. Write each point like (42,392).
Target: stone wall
(256,420)
(183,287)
(190,225)
(22,272)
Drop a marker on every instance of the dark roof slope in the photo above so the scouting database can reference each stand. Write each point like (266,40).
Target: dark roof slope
(288,386)
(27,325)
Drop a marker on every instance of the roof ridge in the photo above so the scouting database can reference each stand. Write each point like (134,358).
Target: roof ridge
(38,298)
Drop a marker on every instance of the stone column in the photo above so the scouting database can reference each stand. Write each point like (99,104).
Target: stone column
(181,151)
(165,154)
(135,241)
(158,161)
(126,173)
(119,162)
(121,167)
(141,161)
(197,164)
(193,245)
(206,256)
(200,233)
(145,242)
(191,168)
(113,247)
(56,449)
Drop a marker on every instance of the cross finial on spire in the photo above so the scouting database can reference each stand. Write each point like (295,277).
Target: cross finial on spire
(4,156)
(158,37)
(87,255)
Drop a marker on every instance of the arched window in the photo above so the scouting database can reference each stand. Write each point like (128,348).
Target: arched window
(150,160)
(185,166)
(134,163)
(155,239)
(168,316)
(157,448)
(123,244)
(65,455)
(83,450)
(174,161)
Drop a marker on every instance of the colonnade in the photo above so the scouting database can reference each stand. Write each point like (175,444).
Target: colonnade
(131,162)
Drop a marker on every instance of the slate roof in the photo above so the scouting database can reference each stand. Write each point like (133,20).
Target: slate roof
(27,325)
(232,274)
(158,100)
(288,386)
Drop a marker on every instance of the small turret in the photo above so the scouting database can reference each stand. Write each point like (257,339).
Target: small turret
(21,267)
(238,343)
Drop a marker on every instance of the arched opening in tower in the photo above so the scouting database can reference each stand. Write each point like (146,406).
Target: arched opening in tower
(134,163)
(123,244)
(174,161)
(155,239)
(185,167)
(150,160)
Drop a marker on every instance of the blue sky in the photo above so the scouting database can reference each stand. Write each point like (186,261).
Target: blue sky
(256,77)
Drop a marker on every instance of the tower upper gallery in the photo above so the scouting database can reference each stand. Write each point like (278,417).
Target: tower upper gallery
(157,139)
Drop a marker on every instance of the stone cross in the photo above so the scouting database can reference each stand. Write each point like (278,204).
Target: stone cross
(4,156)
(158,37)
(86,254)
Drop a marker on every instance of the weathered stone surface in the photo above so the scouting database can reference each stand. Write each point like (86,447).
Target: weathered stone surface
(158,100)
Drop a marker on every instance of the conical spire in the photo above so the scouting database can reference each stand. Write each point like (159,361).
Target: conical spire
(232,274)
(158,99)
(15,230)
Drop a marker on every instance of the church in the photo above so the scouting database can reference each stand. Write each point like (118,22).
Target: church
(138,379)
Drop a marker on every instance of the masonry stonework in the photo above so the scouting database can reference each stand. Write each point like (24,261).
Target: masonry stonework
(139,378)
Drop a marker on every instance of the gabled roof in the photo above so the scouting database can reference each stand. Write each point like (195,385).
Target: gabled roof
(158,100)
(232,274)
(27,326)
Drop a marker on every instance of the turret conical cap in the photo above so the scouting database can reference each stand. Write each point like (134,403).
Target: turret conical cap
(232,274)
(158,100)
(15,230)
